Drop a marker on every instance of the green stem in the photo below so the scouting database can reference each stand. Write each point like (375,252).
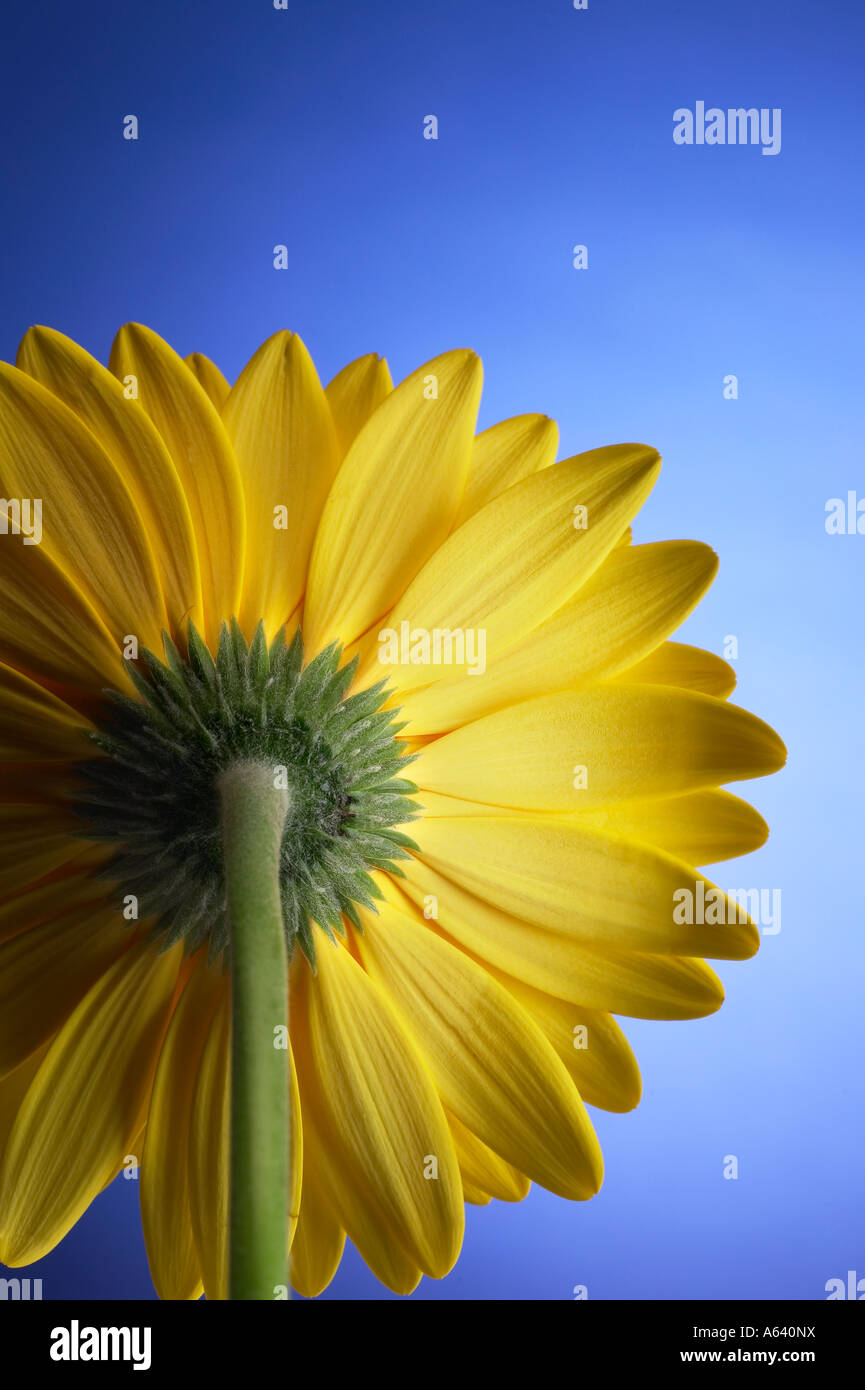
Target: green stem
(253,817)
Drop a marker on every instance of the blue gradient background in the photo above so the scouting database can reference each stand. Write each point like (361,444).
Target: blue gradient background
(303,127)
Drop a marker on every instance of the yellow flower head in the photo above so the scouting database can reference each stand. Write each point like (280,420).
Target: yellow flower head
(499,773)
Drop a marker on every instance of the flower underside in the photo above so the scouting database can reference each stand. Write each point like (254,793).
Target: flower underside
(154,792)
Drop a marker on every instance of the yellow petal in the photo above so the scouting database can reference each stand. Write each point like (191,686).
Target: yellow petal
(505,454)
(637,597)
(90,524)
(165,1197)
(620,982)
(382,1114)
(199,447)
(473,1195)
(521,557)
(675,663)
(611,894)
(49,629)
(576,750)
(591,1045)
(281,428)
(46,971)
(701,828)
(209,378)
(132,443)
(209,1154)
(394,499)
(492,1067)
(296,1146)
(484,1173)
(35,841)
(70,888)
(36,725)
(353,395)
(49,782)
(13,1089)
(86,1104)
(434,804)
(319,1239)
(350,1200)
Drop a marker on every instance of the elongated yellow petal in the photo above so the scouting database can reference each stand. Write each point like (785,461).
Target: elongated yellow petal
(319,1239)
(394,499)
(621,982)
(637,597)
(575,750)
(85,1105)
(49,629)
(45,971)
(35,841)
(435,804)
(353,395)
(13,1089)
(492,1067)
(612,894)
(352,1202)
(505,454)
(382,1112)
(484,1173)
(209,378)
(473,1195)
(701,828)
(209,1143)
(296,1146)
(89,522)
(520,558)
(36,725)
(51,782)
(132,443)
(68,888)
(281,428)
(165,1199)
(675,663)
(591,1045)
(195,438)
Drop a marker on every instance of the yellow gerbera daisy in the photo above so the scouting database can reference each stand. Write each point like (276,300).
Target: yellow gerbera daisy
(458,943)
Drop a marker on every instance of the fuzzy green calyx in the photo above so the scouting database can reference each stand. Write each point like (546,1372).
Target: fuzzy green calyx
(155,791)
